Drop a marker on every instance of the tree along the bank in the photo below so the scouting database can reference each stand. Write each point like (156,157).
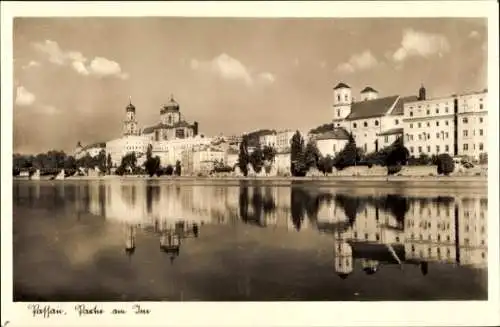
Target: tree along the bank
(152,164)
(178,168)
(243,157)
(325,164)
(445,164)
(257,159)
(348,156)
(109,163)
(128,164)
(298,166)
(311,155)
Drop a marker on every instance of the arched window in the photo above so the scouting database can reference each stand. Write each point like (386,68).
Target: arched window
(376,123)
(354,125)
(346,98)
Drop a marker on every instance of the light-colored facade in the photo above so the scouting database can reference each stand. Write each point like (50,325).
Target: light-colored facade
(371,119)
(283,162)
(171,151)
(268,140)
(231,158)
(92,150)
(472,121)
(456,125)
(332,142)
(284,139)
(172,125)
(119,147)
(429,127)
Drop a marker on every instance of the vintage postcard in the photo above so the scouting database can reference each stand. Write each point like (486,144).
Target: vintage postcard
(240,163)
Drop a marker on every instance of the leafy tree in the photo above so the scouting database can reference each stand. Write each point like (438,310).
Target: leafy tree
(257,159)
(311,155)
(445,164)
(169,170)
(178,168)
(347,157)
(129,161)
(269,153)
(101,160)
(298,166)
(109,163)
(243,157)
(152,164)
(325,164)
(70,163)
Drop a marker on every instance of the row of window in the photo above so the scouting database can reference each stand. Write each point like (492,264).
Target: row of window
(438,149)
(465,120)
(446,148)
(466,133)
(427,136)
(466,146)
(419,125)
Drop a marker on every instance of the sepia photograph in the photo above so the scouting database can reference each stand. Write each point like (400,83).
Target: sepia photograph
(249,159)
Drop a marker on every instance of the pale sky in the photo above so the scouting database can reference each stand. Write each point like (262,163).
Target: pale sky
(73,77)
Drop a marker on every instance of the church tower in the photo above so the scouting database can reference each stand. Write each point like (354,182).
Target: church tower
(421,93)
(342,100)
(169,113)
(130,122)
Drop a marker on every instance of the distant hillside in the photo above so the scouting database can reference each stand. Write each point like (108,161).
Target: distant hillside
(253,137)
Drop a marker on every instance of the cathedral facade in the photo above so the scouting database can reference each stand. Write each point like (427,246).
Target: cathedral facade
(171,125)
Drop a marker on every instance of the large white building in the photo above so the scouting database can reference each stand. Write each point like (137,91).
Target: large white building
(373,121)
(472,121)
(332,142)
(429,126)
(168,139)
(126,144)
(92,150)
(284,139)
(268,139)
(456,124)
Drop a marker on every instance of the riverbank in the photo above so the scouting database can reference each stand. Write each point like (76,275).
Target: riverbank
(447,179)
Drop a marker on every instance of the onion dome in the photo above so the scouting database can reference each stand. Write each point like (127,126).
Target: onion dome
(130,106)
(171,105)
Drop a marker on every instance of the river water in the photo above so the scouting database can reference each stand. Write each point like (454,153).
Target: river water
(138,240)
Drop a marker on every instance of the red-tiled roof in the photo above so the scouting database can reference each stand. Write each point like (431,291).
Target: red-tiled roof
(371,108)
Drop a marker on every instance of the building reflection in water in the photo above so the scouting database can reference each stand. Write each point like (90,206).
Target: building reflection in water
(369,232)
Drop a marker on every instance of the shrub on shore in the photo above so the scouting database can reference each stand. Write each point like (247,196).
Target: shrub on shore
(445,164)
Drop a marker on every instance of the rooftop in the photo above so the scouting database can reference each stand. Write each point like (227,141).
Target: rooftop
(371,108)
(368,89)
(399,108)
(336,134)
(150,129)
(393,131)
(341,86)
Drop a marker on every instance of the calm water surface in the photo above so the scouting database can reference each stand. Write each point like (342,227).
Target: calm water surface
(248,241)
